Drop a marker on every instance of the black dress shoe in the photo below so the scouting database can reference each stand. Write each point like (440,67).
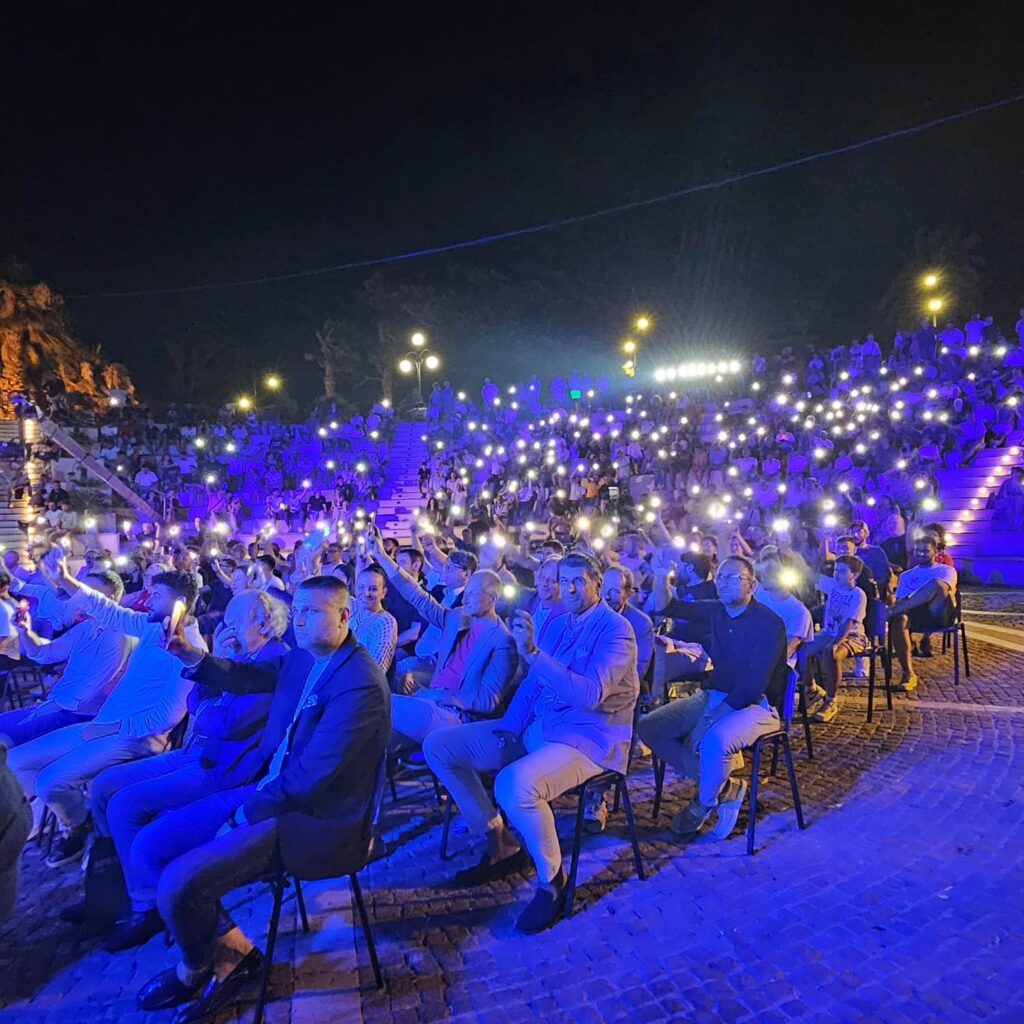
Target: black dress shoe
(219,994)
(490,871)
(165,990)
(546,906)
(134,931)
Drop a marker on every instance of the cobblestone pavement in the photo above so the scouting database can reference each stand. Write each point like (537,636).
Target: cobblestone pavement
(902,901)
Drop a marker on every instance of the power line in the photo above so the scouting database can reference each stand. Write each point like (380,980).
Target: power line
(551,225)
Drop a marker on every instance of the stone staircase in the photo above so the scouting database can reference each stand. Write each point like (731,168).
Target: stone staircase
(986,555)
(12,512)
(400,496)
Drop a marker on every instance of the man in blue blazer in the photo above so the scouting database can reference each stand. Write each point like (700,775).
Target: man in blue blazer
(571,718)
(311,812)
(476,657)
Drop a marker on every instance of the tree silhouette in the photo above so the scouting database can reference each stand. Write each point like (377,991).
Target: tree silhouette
(952,255)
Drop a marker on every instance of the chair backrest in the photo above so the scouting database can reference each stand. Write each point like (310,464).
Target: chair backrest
(788,702)
(874,619)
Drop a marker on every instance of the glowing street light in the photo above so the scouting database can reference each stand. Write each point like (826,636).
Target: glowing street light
(405,366)
(930,280)
(272,381)
(416,360)
(244,403)
(934,305)
(642,323)
(629,346)
(419,339)
(432,362)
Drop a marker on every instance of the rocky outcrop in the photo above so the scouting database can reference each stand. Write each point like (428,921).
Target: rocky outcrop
(39,356)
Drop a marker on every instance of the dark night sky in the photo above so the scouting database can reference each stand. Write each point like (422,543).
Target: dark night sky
(152,145)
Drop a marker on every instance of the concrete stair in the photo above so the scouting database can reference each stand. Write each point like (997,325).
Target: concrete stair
(990,556)
(12,512)
(400,496)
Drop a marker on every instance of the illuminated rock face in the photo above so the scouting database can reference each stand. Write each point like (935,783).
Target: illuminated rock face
(37,348)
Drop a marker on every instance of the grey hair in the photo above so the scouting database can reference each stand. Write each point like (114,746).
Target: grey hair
(273,612)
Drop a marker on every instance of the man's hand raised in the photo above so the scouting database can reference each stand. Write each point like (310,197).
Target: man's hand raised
(180,646)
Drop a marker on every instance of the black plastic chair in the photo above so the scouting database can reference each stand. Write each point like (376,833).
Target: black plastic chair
(955,633)
(777,737)
(279,882)
(879,647)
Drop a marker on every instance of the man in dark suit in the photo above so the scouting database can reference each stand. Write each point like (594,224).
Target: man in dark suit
(311,812)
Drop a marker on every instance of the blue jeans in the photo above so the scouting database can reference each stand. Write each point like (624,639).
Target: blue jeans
(156,810)
(25,724)
(193,884)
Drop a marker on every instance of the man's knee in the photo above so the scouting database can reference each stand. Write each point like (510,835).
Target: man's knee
(439,750)
(178,883)
(52,781)
(514,786)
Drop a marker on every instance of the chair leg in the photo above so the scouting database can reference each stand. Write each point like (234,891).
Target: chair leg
(956,659)
(754,780)
(268,956)
(357,895)
(871,684)
(389,767)
(615,800)
(963,640)
(300,900)
(775,758)
(574,864)
(658,764)
(887,664)
(802,696)
(446,829)
(631,823)
(793,785)
(437,790)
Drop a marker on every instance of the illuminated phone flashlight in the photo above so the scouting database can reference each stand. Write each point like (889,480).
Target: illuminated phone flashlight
(126,525)
(509,591)
(582,523)
(173,531)
(780,526)
(830,520)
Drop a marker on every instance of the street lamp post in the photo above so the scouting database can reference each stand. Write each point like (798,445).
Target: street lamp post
(642,324)
(416,359)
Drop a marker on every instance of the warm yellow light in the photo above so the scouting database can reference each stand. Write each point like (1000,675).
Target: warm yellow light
(629,346)
(272,381)
(405,366)
(432,362)
(930,280)
(934,305)
(245,404)
(642,323)
(419,339)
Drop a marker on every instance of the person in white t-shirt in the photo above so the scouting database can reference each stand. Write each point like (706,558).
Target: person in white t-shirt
(842,636)
(925,603)
(775,583)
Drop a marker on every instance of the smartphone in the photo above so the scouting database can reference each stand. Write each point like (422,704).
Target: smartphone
(22,613)
(177,614)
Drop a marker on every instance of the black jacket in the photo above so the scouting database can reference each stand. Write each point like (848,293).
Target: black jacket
(324,796)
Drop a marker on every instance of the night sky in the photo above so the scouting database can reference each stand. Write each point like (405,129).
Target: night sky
(156,145)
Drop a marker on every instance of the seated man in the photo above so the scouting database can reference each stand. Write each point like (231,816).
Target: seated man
(775,592)
(455,571)
(95,656)
(476,663)
(617,590)
(311,812)
(135,721)
(925,602)
(842,636)
(373,627)
(15,823)
(700,735)
(571,718)
(222,752)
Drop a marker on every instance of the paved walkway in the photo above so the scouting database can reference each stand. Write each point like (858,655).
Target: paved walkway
(903,900)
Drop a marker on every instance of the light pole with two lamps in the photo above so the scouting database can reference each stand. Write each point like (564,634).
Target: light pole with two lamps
(630,347)
(417,358)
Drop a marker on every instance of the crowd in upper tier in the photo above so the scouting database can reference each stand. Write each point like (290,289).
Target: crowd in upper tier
(589,579)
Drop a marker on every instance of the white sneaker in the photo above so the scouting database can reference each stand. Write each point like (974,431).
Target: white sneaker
(829,710)
(729,805)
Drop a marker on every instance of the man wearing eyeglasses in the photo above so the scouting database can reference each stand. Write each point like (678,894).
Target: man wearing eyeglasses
(745,677)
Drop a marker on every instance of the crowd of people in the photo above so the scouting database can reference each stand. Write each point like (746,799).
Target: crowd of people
(587,581)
